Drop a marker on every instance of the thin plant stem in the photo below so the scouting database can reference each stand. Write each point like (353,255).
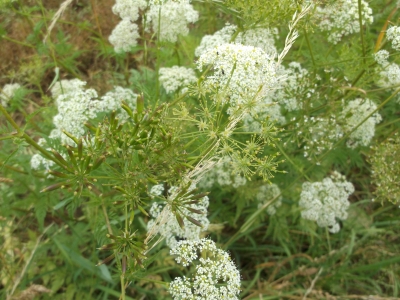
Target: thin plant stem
(309,47)
(122,297)
(361,31)
(328,240)
(25,268)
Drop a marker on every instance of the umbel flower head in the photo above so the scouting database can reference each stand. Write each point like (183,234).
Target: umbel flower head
(341,18)
(354,113)
(170,18)
(215,276)
(393,34)
(242,74)
(325,201)
(77,105)
(174,78)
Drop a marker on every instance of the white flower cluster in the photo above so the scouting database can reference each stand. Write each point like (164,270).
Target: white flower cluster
(176,77)
(259,37)
(355,112)
(77,105)
(326,201)
(171,229)
(341,18)
(381,57)
(389,73)
(66,86)
(8,92)
(222,174)
(266,193)
(38,161)
(112,101)
(74,109)
(243,74)
(129,9)
(215,277)
(220,37)
(393,35)
(170,18)
(293,84)
(125,34)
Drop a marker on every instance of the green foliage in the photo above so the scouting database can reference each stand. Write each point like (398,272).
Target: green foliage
(94,204)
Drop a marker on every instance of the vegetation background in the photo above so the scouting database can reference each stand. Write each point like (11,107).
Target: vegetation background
(50,251)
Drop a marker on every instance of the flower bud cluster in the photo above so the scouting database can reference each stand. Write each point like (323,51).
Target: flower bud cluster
(171,230)
(326,201)
(213,267)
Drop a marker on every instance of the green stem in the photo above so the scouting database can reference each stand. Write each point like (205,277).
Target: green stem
(361,31)
(292,162)
(122,287)
(17,42)
(309,47)
(8,137)
(328,240)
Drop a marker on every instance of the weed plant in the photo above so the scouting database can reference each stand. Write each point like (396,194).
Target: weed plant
(204,149)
